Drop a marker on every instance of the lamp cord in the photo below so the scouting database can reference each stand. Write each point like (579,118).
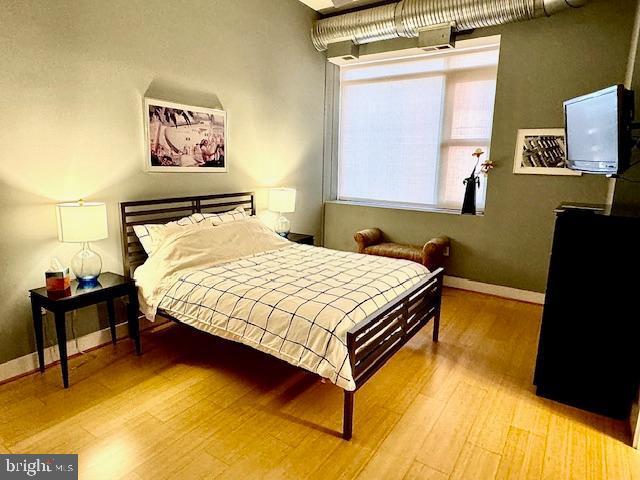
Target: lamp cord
(73,332)
(626,179)
(45,322)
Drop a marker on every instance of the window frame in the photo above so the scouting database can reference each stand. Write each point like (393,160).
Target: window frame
(445,141)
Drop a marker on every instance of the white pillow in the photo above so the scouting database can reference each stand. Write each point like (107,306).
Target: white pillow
(150,235)
(215,219)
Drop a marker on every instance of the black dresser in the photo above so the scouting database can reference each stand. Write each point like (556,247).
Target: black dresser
(589,348)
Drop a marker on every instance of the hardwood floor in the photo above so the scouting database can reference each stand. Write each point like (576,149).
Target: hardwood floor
(197,407)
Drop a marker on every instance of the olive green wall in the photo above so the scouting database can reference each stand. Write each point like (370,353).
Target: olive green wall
(626,198)
(542,63)
(72,80)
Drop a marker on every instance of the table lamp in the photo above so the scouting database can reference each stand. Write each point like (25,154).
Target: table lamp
(83,222)
(282,200)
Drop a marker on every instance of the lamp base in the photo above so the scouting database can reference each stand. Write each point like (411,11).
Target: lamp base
(86,266)
(283,226)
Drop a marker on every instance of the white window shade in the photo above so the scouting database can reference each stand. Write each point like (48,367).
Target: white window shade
(472,108)
(388,139)
(408,128)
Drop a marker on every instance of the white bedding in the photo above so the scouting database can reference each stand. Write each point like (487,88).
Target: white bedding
(242,282)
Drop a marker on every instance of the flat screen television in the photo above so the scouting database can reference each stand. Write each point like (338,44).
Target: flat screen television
(598,131)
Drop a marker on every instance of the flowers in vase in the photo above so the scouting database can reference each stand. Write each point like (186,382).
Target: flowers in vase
(473,182)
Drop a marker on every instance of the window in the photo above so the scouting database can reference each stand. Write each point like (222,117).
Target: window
(408,127)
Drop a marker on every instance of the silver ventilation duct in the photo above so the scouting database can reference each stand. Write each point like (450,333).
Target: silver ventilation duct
(407,17)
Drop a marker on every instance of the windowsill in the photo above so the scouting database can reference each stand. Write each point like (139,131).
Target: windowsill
(414,208)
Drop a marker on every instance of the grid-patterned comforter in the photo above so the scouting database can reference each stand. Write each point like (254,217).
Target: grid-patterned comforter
(296,303)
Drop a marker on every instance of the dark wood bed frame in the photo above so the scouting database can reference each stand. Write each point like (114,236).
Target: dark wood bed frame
(370,343)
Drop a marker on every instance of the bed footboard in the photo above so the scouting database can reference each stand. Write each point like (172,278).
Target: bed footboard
(373,341)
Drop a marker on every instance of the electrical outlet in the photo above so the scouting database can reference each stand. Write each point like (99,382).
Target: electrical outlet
(447,251)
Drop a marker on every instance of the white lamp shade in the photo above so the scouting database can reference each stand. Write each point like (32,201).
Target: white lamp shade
(82,221)
(282,200)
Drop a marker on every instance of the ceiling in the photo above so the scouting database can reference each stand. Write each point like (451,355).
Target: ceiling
(327,7)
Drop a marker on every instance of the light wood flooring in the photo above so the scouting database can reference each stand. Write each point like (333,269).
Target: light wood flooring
(194,406)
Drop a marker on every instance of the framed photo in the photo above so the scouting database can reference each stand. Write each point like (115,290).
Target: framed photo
(542,152)
(182,138)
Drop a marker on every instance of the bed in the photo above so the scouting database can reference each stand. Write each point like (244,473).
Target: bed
(340,315)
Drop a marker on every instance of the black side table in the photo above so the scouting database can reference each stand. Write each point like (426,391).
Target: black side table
(300,238)
(110,286)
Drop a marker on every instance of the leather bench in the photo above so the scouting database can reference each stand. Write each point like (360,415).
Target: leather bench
(431,254)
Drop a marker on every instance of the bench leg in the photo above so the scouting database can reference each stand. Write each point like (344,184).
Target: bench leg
(347,420)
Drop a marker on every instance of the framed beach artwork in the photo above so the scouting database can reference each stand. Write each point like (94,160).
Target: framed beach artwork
(542,152)
(183,138)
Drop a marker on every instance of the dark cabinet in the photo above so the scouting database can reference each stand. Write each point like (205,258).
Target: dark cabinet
(589,348)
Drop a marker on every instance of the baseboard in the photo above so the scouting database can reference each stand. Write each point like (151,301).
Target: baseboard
(29,363)
(497,290)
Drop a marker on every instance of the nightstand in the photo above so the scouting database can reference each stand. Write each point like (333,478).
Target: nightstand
(300,238)
(110,286)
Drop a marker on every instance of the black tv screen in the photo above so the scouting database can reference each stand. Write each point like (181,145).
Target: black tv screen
(598,129)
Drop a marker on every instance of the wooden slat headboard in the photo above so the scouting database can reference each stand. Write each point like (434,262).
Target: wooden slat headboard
(165,210)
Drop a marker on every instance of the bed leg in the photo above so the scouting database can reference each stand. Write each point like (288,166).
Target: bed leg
(347,420)
(436,318)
